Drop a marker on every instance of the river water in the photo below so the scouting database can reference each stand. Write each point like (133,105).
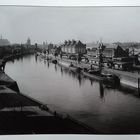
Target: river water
(105,109)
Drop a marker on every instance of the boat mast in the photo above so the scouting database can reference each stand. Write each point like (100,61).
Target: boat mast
(101,49)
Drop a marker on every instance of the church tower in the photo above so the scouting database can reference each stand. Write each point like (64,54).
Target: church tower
(28,41)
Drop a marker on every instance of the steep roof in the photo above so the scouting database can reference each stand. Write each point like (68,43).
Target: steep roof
(72,43)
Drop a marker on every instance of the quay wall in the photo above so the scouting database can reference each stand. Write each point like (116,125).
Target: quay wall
(10,83)
(127,79)
(66,119)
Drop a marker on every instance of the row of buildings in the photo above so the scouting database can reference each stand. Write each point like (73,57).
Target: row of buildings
(6,48)
(68,48)
(114,55)
(73,47)
(117,55)
(111,50)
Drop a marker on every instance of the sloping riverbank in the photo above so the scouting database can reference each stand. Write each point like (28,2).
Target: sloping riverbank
(21,114)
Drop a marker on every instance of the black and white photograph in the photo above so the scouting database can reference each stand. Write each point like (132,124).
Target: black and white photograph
(69,70)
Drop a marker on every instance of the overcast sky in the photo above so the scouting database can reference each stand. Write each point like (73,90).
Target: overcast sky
(55,24)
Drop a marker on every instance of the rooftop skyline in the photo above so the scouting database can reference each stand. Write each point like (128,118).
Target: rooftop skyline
(56,24)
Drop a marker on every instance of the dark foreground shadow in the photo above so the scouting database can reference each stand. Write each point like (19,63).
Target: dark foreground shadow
(28,122)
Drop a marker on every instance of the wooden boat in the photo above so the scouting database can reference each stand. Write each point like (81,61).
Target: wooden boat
(54,61)
(110,79)
(93,76)
(75,69)
(69,66)
(48,58)
(64,64)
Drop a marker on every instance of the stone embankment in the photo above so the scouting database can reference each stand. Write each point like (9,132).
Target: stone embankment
(21,114)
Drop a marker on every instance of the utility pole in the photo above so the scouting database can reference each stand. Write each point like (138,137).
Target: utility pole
(101,49)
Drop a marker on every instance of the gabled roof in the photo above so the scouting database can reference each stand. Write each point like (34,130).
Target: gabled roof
(72,43)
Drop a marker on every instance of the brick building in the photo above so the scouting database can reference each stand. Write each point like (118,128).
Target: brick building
(73,47)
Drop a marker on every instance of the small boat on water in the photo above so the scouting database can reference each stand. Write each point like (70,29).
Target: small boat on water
(94,75)
(104,77)
(54,61)
(75,69)
(111,79)
(48,58)
(64,64)
(69,66)
(41,55)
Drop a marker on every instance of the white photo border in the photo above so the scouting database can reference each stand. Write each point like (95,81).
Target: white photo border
(70,3)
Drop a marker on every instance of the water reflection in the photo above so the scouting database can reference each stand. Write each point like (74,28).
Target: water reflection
(117,109)
(61,71)
(81,79)
(19,58)
(36,58)
(91,82)
(55,67)
(48,64)
(101,90)
(45,62)
(74,75)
